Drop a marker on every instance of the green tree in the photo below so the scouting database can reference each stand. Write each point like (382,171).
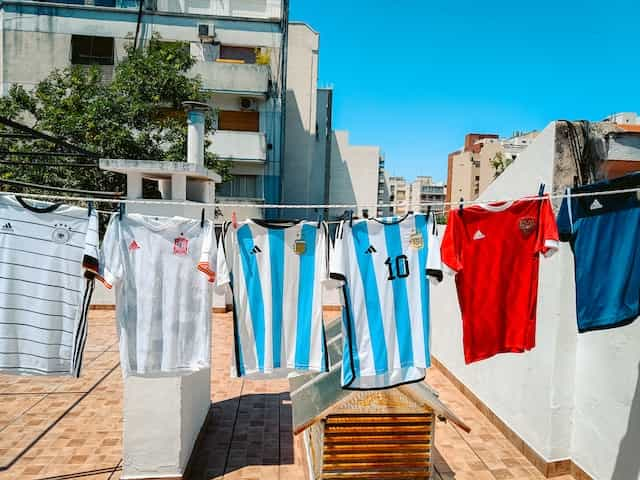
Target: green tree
(499,163)
(138,115)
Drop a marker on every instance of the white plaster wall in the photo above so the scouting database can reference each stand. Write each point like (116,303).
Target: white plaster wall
(531,392)
(606,436)
(354,174)
(301,180)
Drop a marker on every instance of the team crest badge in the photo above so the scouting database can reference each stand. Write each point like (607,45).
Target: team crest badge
(299,246)
(61,233)
(134,246)
(527,225)
(181,246)
(416,241)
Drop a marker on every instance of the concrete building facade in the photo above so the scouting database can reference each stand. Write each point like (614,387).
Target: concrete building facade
(399,194)
(321,166)
(472,168)
(424,189)
(238,45)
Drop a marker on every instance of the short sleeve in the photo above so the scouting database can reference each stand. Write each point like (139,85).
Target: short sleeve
(223,274)
(548,240)
(565,218)
(207,261)
(90,259)
(337,261)
(434,263)
(111,269)
(451,247)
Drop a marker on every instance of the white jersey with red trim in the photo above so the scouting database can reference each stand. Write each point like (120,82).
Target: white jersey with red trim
(48,253)
(162,269)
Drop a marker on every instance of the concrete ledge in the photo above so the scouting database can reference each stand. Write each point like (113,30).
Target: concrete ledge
(548,469)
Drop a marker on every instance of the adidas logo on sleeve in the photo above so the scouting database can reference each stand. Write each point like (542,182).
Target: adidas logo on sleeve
(7,227)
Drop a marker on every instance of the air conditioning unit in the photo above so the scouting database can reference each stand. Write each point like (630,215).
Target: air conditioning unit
(206,32)
(248,104)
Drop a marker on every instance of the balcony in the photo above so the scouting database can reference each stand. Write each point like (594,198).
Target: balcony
(236,78)
(239,146)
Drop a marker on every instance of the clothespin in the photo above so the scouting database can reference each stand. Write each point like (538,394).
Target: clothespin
(541,190)
(461,205)
(350,218)
(234,220)
(120,211)
(575,181)
(320,219)
(89,207)
(202,219)
(428,210)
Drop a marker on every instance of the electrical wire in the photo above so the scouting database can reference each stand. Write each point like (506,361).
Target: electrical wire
(408,205)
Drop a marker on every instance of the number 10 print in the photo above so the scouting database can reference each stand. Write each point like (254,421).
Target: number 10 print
(402,267)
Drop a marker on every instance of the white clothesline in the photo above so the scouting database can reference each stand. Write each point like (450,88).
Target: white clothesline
(315,206)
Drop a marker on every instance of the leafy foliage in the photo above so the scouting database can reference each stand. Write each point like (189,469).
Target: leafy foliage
(500,162)
(138,115)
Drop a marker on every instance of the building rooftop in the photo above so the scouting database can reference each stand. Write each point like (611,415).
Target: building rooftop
(57,428)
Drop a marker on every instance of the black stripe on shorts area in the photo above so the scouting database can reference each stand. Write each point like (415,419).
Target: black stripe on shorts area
(75,260)
(34,355)
(32,369)
(22,339)
(40,269)
(81,336)
(39,283)
(41,239)
(39,328)
(15,294)
(46,314)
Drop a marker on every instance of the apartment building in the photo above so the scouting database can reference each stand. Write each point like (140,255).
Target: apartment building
(483,157)
(321,165)
(238,45)
(399,195)
(425,190)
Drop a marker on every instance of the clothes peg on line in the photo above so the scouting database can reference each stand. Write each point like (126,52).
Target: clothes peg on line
(461,205)
(202,218)
(234,220)
(541,190)
(320,219)
(89,208)
(120,211)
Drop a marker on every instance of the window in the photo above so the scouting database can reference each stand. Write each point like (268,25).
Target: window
(237,54)
(245,186)
(238,121)
(87,50)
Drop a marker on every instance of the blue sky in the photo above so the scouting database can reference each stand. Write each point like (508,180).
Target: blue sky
(415,76)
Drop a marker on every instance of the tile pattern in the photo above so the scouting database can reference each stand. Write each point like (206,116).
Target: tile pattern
(75,425)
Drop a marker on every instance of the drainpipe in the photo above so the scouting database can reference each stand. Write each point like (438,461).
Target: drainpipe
(195,131)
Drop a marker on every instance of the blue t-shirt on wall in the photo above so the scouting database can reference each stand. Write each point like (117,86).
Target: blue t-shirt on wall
(604,233)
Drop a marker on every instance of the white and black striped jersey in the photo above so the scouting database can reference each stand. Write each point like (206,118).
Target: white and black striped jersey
(48,255)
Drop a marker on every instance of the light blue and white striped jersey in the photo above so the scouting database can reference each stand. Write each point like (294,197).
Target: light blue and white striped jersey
(276,274)
(383,266)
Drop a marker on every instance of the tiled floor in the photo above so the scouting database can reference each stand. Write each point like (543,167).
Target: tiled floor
(53,428)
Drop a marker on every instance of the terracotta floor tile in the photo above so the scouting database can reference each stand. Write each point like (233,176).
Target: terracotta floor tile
(249,436)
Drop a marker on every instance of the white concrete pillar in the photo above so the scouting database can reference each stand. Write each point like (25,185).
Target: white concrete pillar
(178,187)
(134,185)
(195,131)
(165,189)
(162,420)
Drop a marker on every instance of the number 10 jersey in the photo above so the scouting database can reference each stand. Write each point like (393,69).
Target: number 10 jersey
(383,266)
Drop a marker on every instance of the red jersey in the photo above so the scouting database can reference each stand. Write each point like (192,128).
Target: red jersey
(494,249)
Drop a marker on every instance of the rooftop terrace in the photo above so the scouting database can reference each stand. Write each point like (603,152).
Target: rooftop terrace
(53,428)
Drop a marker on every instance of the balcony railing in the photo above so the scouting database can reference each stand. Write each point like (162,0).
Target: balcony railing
(239,146)
(239,78)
